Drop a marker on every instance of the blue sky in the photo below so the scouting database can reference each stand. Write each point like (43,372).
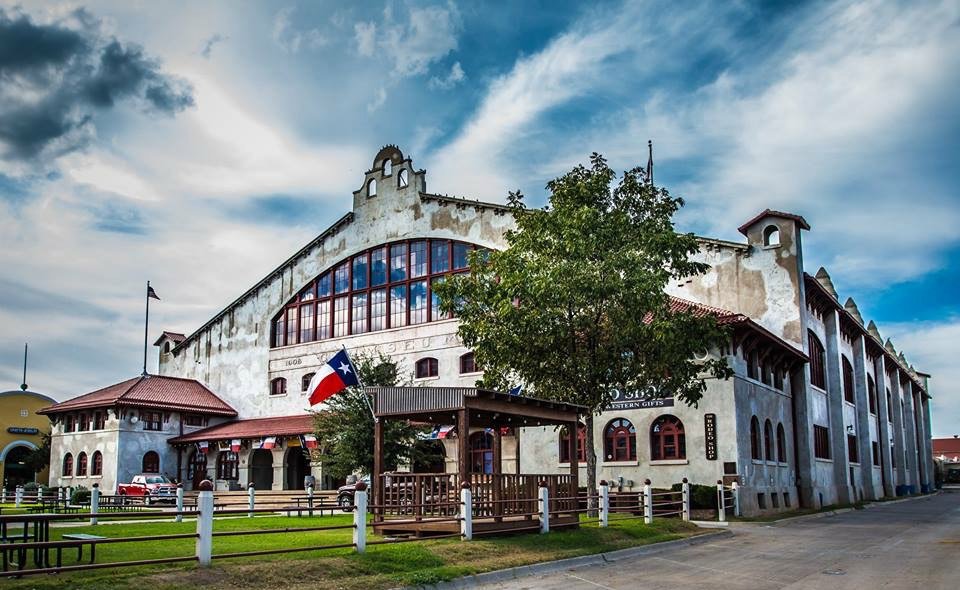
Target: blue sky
(198,145)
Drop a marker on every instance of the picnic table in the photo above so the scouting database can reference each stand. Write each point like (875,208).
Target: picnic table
(308,504)
(38,532)
(90,539)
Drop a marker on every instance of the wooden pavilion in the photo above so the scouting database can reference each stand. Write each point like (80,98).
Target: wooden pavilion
(423,503)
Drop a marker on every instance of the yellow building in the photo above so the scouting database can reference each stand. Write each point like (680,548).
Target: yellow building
(23,430)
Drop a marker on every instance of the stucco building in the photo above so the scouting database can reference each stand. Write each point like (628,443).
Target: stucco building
(820,410)
(23,432)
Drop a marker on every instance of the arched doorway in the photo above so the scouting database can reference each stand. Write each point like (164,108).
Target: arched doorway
(196,469)
(15,470)
(261,469)
(297,468)
(429,457)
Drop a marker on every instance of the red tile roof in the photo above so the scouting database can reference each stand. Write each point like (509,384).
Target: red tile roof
(150,391)
(251,428)
(175,337)
(946,446)
(798,218)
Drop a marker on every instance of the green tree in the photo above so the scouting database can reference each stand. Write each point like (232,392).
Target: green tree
(344,428)
(575,306)
(39,458)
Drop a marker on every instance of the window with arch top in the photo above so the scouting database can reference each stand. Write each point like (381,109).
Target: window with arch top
(768,440)
(402,180)
(372,187)
(278,386)
(427,367)
(771,236)
(468,363)
(620,440)
(565,448)
(151,462)
(848,382)
(68,465)
(667,439)
(756,452)
(305,381)
(97,467)
(387,167)
(82,464)
(781,444)
(818,361)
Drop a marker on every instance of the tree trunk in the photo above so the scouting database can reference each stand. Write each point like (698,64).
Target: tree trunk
(591,465)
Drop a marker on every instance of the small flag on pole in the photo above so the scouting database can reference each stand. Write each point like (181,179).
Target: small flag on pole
(269,442)
(308,441)
(235,445)
(151,293)
(333,377)
(517,390)
(438,432)
(203,447)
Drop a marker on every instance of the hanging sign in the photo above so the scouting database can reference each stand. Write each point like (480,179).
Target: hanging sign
(710,435)
(631,400)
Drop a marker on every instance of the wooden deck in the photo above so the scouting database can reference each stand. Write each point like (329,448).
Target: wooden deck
(429,527)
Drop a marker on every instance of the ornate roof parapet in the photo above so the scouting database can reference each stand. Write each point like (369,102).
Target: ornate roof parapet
(823,277)
(890,348)
(874,331)
(853,310)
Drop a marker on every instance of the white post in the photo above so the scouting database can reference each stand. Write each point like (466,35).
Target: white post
(251,500)
(544,508)
(205,526)
(359,517)
(18,496)
(685,498)
(466,512)
(4,500)
(647,502)
(736,498)
(604,503)
(179,517)
(94,503)
(721,502)
(310,499)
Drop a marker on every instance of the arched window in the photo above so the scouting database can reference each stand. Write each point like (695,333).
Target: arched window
(468,363)
(848,392)
(387,167)
(667,440)
(97,467)
(372,188)
(771,236)
(278,386)
(402,181)
(781,444)
(871,395)
(818,359)
(68,465)
(756,452)
(305,381)
(388,286)
(166,346)
(889,406)
(481,452)
(82,465)
(620,441)
(768,440)
(228,465)
(151,462)
(581,444)
(427,367)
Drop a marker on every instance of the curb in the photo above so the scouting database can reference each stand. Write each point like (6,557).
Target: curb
(550,567)
(836,512)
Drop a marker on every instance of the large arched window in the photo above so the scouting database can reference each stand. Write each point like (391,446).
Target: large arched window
(871,395)
(781,444)
(228,465)
(768,440)
(818,360)
(771,236)
(68,465)
(389,286)
(427,367)
(889,406)
(564,445)
(848,391)
(481,452)
(620,441)
(82,465)
(756,452)
(468,363)
(97,467)
(667,439)
(151,462)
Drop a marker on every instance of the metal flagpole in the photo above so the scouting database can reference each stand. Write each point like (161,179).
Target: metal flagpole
(146,324)
(360,384)
(23,386)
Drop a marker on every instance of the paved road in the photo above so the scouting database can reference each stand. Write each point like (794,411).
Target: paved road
(913,544)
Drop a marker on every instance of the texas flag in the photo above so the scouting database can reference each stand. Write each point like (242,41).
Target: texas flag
(308,441)
(203,446)
(235,445)
(332,378)
(268,443)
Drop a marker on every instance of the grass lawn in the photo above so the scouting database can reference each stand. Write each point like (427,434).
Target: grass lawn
(382,566)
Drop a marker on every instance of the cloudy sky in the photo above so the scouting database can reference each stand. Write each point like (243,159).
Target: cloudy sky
(199,145)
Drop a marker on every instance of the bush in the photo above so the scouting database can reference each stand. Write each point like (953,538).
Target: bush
(80,495)
(30,486)
(701,497)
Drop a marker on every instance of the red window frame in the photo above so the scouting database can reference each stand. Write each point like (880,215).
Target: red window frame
(96,467)
(564,444)
(68,465)
(152,420)
(468,363)
(620,440)
(278,386)
(228,465)
(427,367)
(82,465)
(667,439)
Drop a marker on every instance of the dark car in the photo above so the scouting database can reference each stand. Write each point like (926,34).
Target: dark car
(345,493)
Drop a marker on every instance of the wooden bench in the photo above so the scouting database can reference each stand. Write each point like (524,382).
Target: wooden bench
(89,539)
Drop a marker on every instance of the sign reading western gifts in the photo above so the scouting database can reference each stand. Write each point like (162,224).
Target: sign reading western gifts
(632,400)
(710,435)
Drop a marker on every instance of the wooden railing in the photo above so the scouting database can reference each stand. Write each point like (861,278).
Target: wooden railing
(430,495)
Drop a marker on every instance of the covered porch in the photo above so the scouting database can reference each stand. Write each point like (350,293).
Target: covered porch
(428,503)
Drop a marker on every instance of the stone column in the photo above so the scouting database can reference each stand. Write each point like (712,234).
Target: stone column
(838,432)
(861,396)
(910,435)
(899,430)
(928,443)
(803,435)
(883,431)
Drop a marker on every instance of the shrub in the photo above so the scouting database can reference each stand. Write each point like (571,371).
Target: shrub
(30,486)
(701,497)
(80,495)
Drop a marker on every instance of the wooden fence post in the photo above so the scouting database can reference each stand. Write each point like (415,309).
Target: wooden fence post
(205,523)
(94,503)
(604,503)
(647,502)
(544,502)
(685,498)
(360,517)
(466,511)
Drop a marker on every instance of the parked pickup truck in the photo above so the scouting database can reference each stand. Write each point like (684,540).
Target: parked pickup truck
(150,487)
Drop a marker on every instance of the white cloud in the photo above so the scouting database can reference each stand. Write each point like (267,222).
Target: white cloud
(290,38)
(378,100)
(456,76)
(365,35)
(426,35)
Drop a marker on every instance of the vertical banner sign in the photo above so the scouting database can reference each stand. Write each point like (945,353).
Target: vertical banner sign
(710,434)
